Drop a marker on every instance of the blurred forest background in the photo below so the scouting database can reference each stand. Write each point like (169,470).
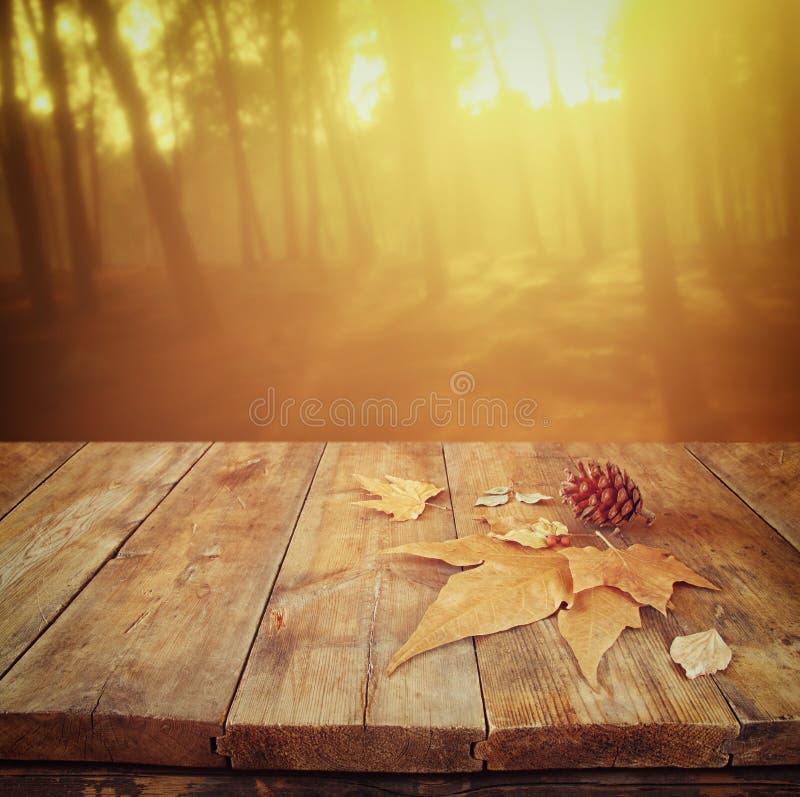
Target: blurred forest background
(594,204)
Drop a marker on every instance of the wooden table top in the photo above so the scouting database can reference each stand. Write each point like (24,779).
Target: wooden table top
(198,605)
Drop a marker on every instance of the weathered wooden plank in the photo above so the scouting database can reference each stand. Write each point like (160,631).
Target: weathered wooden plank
(541,712)
(142,665)
(758,610)
(23,466)
(45,781)
(764,475)
(55,540)
(314,694)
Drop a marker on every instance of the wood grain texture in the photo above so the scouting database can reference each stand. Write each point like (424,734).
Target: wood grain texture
(764,475)
(121,781)
(541,712)
(23,466)
(757,612)
(55,540)
(142,665)
(314,694)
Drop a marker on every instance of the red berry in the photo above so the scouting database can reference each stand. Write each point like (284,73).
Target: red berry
(552,540)
(564,540)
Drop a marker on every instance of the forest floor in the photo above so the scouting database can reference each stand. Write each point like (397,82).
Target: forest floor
(577,346)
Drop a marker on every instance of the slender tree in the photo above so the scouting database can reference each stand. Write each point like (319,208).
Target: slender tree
(682,390)
(568,149)
(283,116)
(406,73)
(529,219)
(19,178)
(315,21)
(92,149)
(187,278)
(788,26)
(252,239)
(313,202)
(83,255)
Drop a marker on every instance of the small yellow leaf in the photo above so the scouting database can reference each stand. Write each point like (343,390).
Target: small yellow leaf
(404,499)
(701,654)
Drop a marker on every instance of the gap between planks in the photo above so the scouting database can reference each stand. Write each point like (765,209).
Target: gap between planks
(748,503)
(346,612)
(162,721)
(39,482)
(213,740)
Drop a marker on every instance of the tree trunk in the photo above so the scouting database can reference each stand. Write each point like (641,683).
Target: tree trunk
(19,179)
(82,251)
(313,24)
(169,63)
(251,234)
(568,151)
(685,404)
(283,116)
(789,24)
(187,278)
(529,219)
(313,204)
(405,74)
(95,185)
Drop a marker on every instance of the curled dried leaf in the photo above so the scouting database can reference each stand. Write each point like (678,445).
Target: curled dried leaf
(494,499)
(533,498)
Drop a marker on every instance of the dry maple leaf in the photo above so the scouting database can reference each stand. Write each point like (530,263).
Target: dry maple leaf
(646,574)
(512,585)
(403,498)
(592,623)
(701,654)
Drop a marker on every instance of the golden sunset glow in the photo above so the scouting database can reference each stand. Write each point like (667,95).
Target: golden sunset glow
(592,204)
(577,32)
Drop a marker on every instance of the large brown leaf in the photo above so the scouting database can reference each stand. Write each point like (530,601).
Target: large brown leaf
(646,574)
(592,623)
(512,585)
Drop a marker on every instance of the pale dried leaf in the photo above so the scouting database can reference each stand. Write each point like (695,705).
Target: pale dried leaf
(492,500)
(531,539)
(501,524)
(514,585)
(546,526)
(701,654)
(533,498)
(647,574)
(497,491)
(592,623)
(523,530)
(404,499)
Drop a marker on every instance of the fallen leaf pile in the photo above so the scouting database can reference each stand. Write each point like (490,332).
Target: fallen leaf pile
(511,583)
(404,499)
(700,654)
